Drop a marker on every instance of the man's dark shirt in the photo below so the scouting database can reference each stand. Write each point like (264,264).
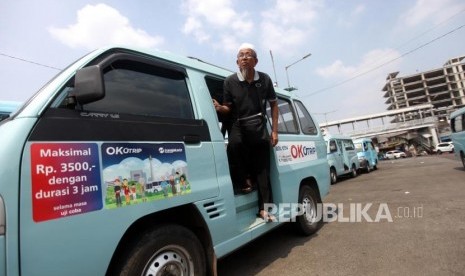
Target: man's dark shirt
(242,97)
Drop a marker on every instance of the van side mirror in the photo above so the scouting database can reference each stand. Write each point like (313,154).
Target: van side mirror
(88,85)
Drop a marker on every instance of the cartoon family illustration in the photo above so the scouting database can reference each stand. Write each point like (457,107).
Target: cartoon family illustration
(142,172)
(177,183)
(137,191)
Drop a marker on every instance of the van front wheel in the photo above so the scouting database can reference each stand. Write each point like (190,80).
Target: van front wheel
(311,220)
(168,250)
(333,175)
(353,172)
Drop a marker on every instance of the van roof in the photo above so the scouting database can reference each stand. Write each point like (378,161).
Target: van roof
(44,95)
(336,136)
(457,112)
(359,140)
(9,106)
(187,61)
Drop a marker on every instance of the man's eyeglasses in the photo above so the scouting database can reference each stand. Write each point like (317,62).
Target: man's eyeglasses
(245,56)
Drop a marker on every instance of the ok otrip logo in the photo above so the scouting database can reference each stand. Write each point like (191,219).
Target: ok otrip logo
(288,153)
(301,151)
(122,150)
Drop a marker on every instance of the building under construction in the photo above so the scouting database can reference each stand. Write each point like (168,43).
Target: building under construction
(444,88)
(419,108)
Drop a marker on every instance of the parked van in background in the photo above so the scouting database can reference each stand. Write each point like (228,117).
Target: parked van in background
(8,107)
(118,166)
(457,123)
(342,157)
(367,154)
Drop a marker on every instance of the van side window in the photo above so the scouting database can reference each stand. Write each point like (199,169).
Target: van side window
(137,88)
(144,90)
(458,123)
(371,146)
(287,122)
(332,146)
(215,87)
(306,122)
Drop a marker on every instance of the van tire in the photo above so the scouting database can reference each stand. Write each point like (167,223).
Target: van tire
(310,201)
(353,172)
(171,247)
(462,157)
(333,175)
(368,169)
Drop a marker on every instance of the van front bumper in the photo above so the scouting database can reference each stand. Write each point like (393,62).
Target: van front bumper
(363,163)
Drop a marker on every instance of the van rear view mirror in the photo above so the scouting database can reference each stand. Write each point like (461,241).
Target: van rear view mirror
(88,85)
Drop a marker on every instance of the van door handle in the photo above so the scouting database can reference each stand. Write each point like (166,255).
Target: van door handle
(191,139)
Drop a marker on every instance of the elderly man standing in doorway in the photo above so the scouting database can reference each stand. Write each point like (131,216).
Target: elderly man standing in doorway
(245,96)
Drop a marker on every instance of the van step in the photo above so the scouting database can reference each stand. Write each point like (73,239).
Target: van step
(248,219)
(247,201)
(247,210)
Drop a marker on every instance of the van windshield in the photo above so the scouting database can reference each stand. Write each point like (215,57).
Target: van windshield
(358,147)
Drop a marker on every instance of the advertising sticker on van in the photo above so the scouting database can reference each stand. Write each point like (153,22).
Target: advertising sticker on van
(293,152)
(65,179)
(141,172)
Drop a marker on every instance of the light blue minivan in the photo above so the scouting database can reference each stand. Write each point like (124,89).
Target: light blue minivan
(367,154)
(342,157)
(8,107)
(118,166)
(457,122)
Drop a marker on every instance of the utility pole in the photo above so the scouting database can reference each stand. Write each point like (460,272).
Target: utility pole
(289,88)
(274,70)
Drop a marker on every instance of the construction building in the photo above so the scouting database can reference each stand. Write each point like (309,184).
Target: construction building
(419,108)
(444,88)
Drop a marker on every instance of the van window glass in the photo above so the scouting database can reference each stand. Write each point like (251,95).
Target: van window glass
(332,146)
(306,122)
(142,89)
(215,87)
(3,116)
(371,146)
(340,145)
(457,124)
(287,122)
(348,144)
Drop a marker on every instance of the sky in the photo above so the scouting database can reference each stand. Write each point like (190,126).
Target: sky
(353,44)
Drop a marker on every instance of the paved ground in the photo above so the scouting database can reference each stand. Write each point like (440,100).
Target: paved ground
(425,197)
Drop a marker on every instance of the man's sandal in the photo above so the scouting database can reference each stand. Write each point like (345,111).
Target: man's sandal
(246,190)
(247,187)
